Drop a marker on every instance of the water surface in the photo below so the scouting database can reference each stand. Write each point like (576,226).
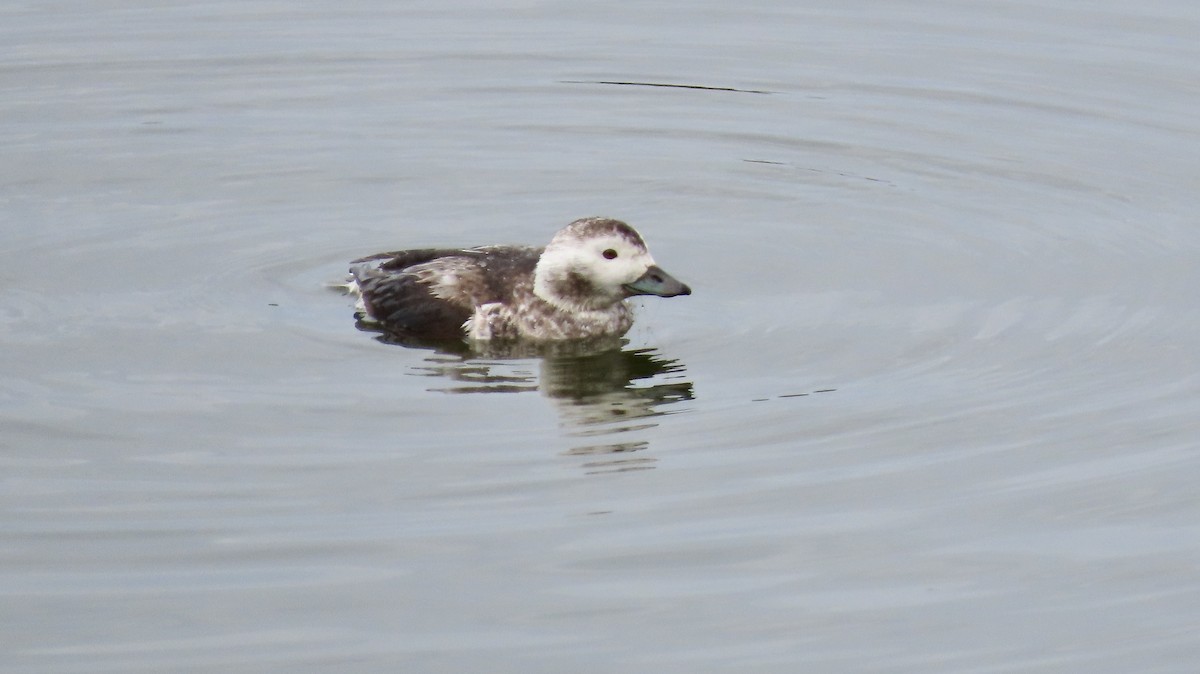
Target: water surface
(932,407)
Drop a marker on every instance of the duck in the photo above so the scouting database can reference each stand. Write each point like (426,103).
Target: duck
(574,288)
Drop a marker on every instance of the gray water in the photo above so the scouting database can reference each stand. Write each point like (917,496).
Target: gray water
(933,407)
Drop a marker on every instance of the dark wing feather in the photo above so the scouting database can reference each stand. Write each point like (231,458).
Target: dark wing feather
(402,259)
(429,293)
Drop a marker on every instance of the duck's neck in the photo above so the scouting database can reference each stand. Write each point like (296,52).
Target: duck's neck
(571,292)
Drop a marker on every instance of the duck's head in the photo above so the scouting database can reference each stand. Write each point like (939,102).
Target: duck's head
(594,263)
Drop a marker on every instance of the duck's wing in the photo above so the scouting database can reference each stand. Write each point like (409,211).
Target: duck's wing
(432,292)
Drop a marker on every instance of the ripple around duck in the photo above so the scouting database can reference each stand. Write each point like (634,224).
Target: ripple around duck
(967,257)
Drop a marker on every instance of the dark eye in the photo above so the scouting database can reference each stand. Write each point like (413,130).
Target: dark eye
(609,254)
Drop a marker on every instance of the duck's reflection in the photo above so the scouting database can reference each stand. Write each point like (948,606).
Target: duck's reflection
(604,392)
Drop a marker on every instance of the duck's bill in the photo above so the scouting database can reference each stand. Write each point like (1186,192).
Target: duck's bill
(657,282)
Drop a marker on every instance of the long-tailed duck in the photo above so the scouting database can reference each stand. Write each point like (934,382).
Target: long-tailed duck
(574,288)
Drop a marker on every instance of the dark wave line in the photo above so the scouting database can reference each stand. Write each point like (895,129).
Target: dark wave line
(665,85)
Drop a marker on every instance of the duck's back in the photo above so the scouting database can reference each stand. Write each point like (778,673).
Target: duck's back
(430,293)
